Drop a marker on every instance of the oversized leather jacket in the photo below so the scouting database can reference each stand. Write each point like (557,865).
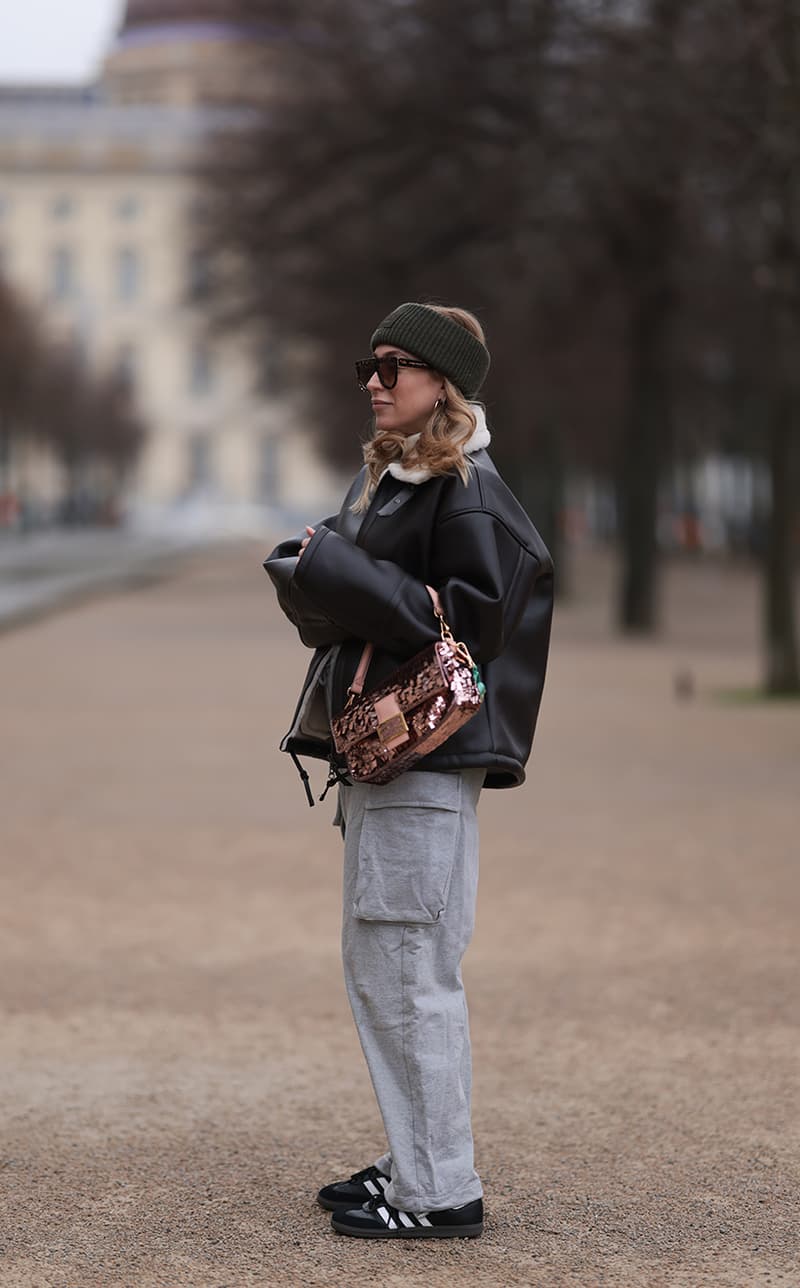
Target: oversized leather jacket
(362,577)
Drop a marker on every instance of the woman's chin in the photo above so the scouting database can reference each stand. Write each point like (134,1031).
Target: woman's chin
(385,421)
(390,423)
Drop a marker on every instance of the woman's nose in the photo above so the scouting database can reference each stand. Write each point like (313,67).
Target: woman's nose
(374,382)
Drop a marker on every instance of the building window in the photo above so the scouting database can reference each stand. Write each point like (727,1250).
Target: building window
(62,273)
(268,475)
(198,210)
(198,275)
(201,368)
(127,362)
(62,206)
(127,274)
(127,206)
(199,464)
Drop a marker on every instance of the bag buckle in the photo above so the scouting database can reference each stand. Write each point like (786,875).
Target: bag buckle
(392,729)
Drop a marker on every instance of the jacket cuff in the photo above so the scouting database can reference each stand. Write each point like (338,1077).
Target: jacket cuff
(311,549)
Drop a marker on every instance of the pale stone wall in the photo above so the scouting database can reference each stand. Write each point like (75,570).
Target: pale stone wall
(209,70)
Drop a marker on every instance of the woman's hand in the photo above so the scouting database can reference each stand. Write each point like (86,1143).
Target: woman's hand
(305,540)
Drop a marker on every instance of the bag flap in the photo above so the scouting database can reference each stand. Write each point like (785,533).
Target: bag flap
(413,683)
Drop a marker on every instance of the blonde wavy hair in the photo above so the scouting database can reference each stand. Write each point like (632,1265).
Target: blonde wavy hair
(440,446)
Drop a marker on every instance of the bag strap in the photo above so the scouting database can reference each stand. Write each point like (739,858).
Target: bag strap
(357,682)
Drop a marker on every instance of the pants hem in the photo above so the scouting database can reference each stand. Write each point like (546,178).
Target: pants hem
(437,1203)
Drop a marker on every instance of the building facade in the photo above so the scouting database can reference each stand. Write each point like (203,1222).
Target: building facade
(99,215)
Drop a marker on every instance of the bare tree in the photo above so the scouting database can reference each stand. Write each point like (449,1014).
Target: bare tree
(414,160)
(745,56)
(548,165)
(91,426)
(522,158)
(631,159)
(775,71)
(48,394)
(18,353)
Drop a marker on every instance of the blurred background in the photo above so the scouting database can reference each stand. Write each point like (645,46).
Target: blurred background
(206,205)
(205,208)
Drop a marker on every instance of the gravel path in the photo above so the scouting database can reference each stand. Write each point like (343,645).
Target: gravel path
(179,1069)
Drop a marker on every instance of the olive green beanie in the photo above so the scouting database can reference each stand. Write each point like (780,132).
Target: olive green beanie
(446,345)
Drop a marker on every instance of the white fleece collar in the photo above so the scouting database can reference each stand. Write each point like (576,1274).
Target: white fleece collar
(479,438)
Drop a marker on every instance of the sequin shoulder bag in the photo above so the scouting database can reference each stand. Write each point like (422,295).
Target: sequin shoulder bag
(383,732)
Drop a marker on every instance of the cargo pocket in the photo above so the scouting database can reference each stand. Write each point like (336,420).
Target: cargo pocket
(407,849)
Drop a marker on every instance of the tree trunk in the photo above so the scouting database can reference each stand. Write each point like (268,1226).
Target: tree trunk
(538,483)
(644,435)
(5,454)
(780,627)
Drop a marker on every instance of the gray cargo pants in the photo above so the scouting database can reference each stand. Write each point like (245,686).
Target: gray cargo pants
(410,882)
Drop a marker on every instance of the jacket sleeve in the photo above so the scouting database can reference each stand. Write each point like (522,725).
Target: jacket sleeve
(315,628)
(483,573)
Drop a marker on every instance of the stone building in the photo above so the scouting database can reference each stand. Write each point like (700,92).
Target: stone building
(98,215)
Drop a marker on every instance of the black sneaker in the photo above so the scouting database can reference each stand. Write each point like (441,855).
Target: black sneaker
(376,1219)
(367,1184)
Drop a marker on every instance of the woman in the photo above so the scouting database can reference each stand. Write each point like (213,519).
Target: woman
(427,508)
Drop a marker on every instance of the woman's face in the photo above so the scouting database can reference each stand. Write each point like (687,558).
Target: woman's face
(408,407)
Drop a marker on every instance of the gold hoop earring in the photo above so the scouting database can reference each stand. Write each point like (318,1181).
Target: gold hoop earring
(439,403)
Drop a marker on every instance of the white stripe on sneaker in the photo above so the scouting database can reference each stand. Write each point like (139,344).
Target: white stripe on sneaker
(372,1187)
(423,1220)
(406,1219)
(383,1181)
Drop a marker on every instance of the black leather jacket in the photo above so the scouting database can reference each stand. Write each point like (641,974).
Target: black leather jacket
(363,577)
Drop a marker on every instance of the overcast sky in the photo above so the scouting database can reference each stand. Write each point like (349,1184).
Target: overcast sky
(55,40)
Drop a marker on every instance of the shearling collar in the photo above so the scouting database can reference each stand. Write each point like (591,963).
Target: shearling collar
(479,438)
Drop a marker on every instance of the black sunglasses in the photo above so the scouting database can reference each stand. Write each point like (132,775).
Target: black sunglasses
(386,369)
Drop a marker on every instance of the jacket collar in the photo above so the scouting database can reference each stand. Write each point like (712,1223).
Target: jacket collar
(479,438)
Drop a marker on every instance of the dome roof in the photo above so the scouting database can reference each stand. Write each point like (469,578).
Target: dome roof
(187,52)
(150,13)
